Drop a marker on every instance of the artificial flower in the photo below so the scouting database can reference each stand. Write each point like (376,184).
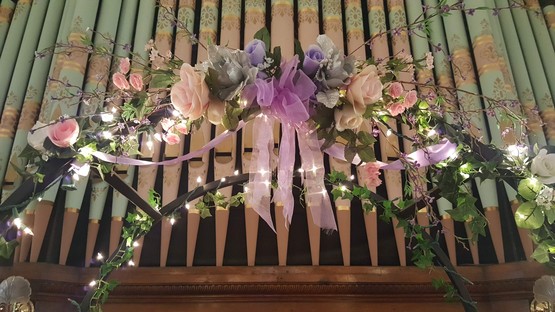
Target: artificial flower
(231,71)
(543,166)
(312,60)
(120,81)
(256,50)
(347,118)
(124,65)
(395,90)
(166,123)
(64,133)
(410,99)
(372,174)
(365,89)
(396,108)
(182,127)
(171,138)
(136,81)
(37,135)
(215,111)
(190,95)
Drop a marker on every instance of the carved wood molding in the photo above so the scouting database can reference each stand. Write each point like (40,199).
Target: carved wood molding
(50,282)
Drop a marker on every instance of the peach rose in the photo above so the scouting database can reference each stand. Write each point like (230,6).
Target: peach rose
(372,174)
(124,65)
(395,90)
(190,95)
(120,81)
(172,138)
(365,88)
(410,99)
(136,81)
(347,118)
(396,109)
(64,133)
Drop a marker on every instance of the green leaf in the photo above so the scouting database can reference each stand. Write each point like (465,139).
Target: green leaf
(264,35)
(160,81)
(6,248)
(529,216)
(299,52)
(366,153)
(350,153)
(541,253)
(366,138)
(550,215)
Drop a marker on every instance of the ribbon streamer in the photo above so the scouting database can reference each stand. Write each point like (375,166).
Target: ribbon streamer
(121,160)
(313,166)
(259,194)
(284,193)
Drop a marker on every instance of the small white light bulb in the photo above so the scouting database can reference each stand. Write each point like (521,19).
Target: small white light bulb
(236,172)
(99,256)
(17,222)
(172,221)
(222,180)
(352,177)
(135,244)
(92,283)
(131,263)
(187,206)
(199,179)
(388,132)
(28,231)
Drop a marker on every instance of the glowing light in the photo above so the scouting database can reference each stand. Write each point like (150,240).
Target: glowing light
(28,231)
(187,206)
(267,183)
(300,170)
(107,117)
(352,177)
(236,172)
(149,143)
(107,134)
(131,263)
(516,150)
(114,110)
(135,244)
(17,223)
(263,171)
(199,179)
(388,132)
(158,137)
(222,180)
(99,256)
(314,168)
(39,199)
(92,283)
(172,221)
(343,188)
(432,132)
(175,113)
(86,151)
(246,189)
(324,191)
(75,177)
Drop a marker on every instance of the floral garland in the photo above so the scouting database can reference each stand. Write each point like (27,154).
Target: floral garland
(322,98)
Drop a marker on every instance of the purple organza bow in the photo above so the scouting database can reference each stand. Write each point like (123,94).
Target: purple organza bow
(287,99)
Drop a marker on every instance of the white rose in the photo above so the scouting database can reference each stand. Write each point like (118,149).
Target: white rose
(543,165)
(365,88)
(36,136)
(347,118)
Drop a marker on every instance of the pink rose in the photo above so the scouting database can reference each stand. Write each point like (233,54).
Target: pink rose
(395,90)
(365,88)
(190,95)
(372,174)
(410,99)
(136,81)
(166,123)
(120,81)
(182,128)
(124,65)
(171,138)
(396,109)
(64,133)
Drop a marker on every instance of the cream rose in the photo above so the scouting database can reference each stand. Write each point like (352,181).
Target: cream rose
(190,95)
(215,111)
(347,118)
(365,88)
(543,165)
(37,135)
(64,133)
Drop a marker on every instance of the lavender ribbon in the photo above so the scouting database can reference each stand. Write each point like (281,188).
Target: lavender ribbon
(284,193)
(121,160)
(313,166)
(259,194)
(430,155)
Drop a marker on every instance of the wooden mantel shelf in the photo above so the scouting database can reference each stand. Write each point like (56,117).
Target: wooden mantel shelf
(193,288)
